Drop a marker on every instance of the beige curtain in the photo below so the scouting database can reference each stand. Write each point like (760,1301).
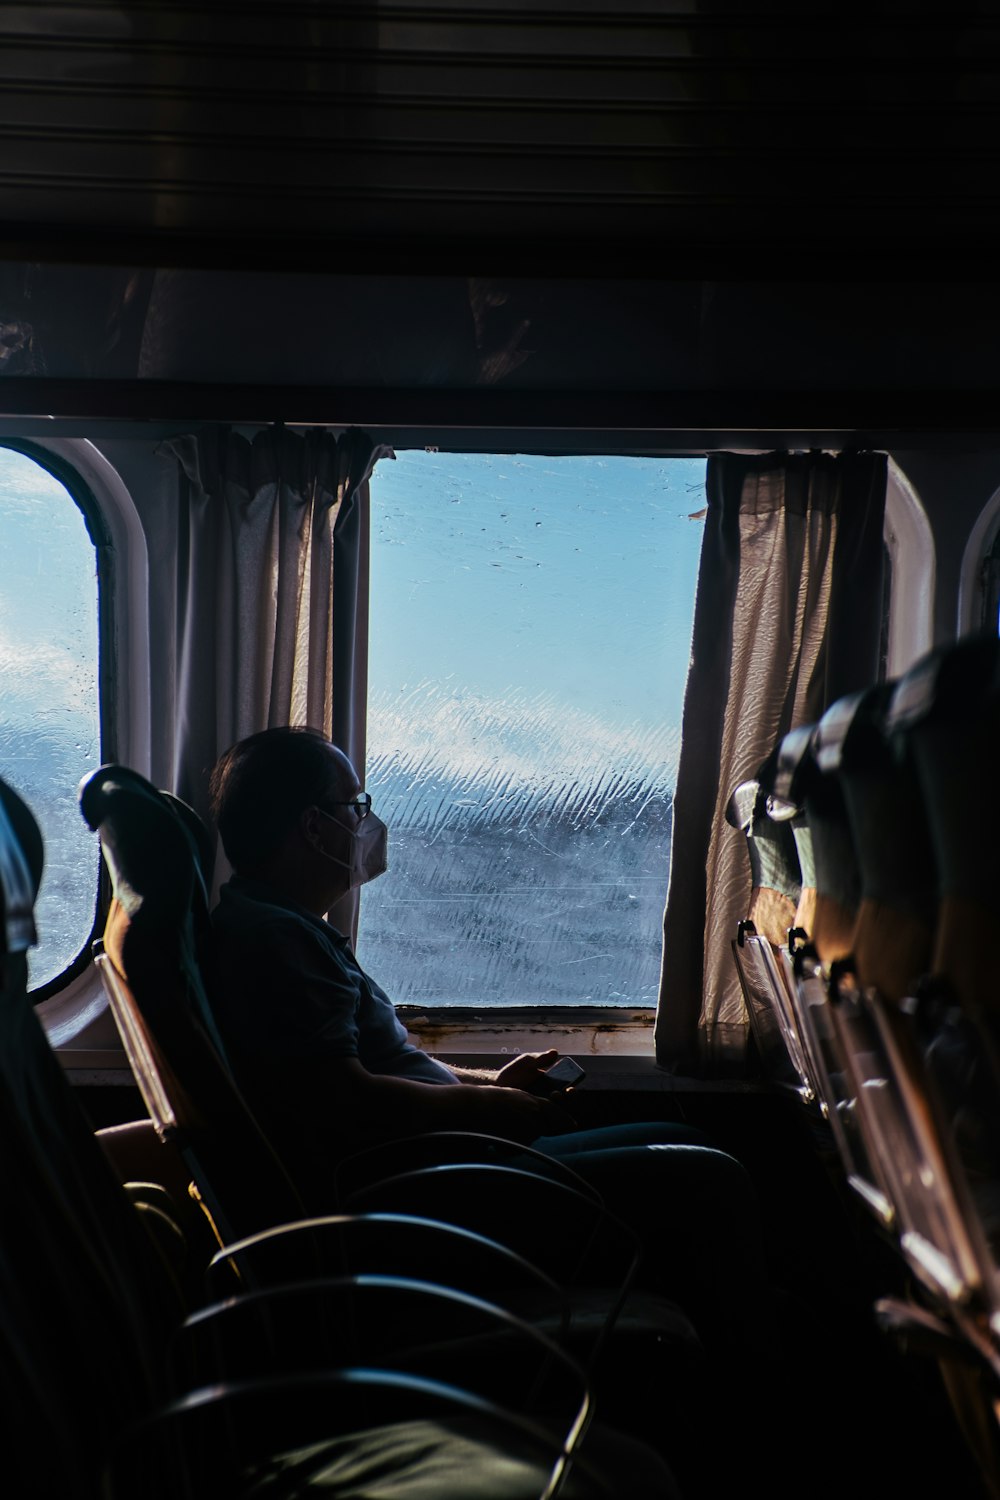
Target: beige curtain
(787,619)
(262,578)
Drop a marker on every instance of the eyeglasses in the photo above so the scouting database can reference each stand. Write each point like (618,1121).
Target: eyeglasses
(362,804)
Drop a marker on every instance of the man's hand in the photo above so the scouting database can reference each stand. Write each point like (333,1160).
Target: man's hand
(522,1072)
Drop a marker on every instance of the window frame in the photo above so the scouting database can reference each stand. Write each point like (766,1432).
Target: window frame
(909,541)
(99,534)
(973,588)
(990,585)
(74,1011)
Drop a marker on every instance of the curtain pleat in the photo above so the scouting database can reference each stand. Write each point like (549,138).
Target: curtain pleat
(263,591)
(787,620)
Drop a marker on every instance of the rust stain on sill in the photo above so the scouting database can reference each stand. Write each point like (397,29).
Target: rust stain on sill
(589,1034)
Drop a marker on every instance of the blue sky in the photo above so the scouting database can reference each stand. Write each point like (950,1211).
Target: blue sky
(48,597)
(568,581)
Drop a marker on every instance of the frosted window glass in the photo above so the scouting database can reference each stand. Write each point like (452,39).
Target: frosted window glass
(49,714)
(531,627)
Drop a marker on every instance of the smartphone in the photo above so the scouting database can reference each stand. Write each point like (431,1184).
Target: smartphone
(563,1074)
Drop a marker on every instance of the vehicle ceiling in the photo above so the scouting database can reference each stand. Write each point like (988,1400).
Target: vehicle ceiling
(700,219)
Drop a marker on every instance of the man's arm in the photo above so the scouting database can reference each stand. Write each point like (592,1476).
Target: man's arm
(520,1073)
(379,1104)
(471,1075)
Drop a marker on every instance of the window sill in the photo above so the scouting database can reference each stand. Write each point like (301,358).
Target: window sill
(614,1045)
(82,1032)
(586,1031)
(79,1008)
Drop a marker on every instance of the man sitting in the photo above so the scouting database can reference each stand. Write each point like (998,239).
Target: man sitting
(314,1041)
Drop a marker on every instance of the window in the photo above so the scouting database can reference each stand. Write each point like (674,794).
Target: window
(909,576)
(531,626)
(50,708)
(991,587)
(979,580)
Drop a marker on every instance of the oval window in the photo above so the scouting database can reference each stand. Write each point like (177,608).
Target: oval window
(50,730)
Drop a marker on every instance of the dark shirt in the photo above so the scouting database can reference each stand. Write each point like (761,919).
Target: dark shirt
(289,986)
(288,997)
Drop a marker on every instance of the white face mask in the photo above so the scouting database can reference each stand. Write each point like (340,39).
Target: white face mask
(369,849)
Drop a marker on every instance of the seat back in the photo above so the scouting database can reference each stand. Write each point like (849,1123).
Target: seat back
(805,781)
(155,949)
(946,713)
(775,874)
(774,897)
(769,1006)
(894,929)
(947,708)
(85,1305)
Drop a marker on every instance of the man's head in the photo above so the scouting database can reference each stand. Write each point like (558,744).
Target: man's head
(266,788)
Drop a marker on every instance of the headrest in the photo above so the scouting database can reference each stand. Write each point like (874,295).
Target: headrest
(852,730)
(151,851)
(743,806)
(21,862)
(951,682)
(795,770)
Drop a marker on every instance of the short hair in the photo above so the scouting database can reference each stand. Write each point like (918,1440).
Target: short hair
(261,785)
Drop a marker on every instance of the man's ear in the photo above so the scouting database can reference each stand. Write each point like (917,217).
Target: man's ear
(309,825)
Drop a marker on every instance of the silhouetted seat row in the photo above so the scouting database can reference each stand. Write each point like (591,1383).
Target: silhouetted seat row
(885,999)
(110,1385)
